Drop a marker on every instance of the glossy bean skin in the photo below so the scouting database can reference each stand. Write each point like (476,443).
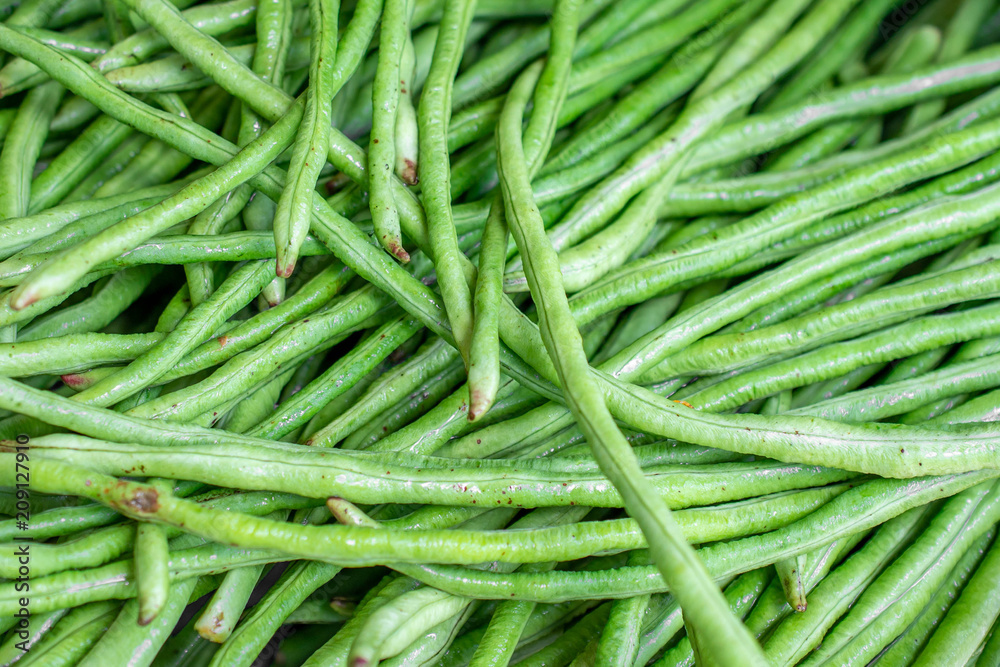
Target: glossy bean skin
(203,320)
(434,113)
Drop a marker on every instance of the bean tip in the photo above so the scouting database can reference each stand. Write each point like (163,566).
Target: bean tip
(284,271)
(336,506)
(479,404)
(73,380)
(409,173)
(22,298)
(396,249)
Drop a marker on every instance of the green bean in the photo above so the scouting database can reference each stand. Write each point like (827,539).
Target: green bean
(757,134)
(979,409)
(210,221)
(113,165)
(587,262)
(223,611)
(654,43)
(252,368)
(138,642)
(291,221)
(741,595)
(772,607)
(104,545)
(312,296)
(851,37)
(487,74)
(70,639)
(820,528)
(405,131)
(29,633)
(484,346)
(123,236)
(378,636)
(588,407)
(63,521)
(258,405)
(871,273)
(270,58)
(572,642)
(249,637)
(152,576)
(402,382)
(692,482)
(598,292)
(921,334)
(382,144)
(434,113)
(73,352)
(156,163)
(335,651)
(892,399)
(406,544)
(86,42)
(914,50)
(7,117)
(175,74)
(633,417)
(672,80)
(426,399)
(551,86)
(21,148)
(212,20)
(831,389)
(216,148)
(619,640)
(395,625)
(33,13)
(117,294)
(86,152)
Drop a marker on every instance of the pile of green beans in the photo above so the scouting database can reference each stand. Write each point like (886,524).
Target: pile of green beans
(563,333)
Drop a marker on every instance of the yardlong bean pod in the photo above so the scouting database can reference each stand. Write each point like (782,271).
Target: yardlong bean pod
(844,285)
